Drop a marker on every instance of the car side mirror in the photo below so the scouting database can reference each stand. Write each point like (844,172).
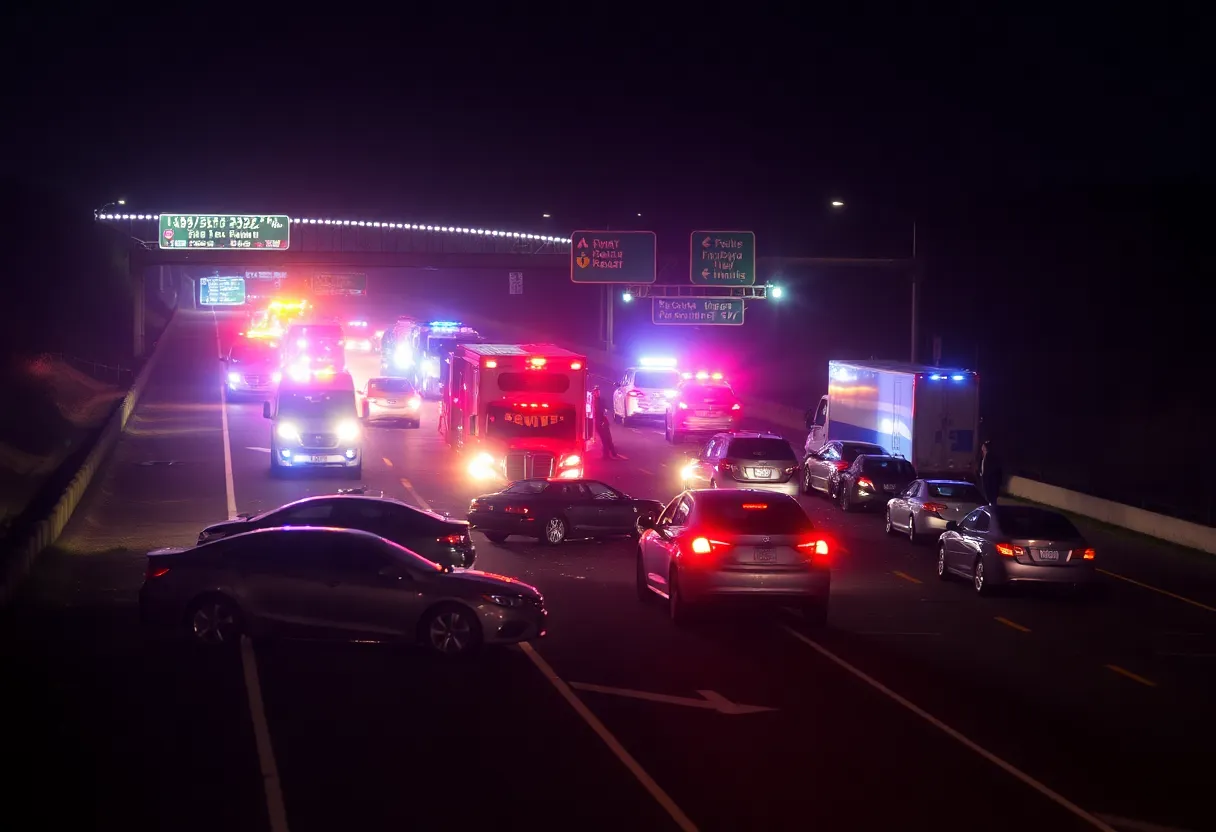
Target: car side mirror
(951,526)
(266,410)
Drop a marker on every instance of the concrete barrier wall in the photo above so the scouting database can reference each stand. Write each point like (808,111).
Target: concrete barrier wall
(1182,532)
(20,559)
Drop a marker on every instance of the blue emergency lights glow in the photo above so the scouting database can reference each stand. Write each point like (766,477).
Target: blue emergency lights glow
(954,377)
(445,324)
(649,361)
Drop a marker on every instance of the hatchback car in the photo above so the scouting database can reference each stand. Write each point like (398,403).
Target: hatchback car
(734,545)
(995,546)
(744,459)
(332,583)
(925,506)
(434,536)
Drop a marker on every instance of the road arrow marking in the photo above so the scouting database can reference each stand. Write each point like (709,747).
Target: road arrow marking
(710,700)
(260,450)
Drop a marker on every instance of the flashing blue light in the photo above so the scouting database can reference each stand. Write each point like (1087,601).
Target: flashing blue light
(936,377)
(445,324)
(957,377)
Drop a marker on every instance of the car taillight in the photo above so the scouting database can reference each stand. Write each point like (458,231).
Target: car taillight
(516,509)
(936,508)
(736,406)
(1009,550)
(637,394)
(452,539)
(841,465)
(725,467)
(865,482)
(704,546)
(1088,554)
(155,572)
(815,548)
(415,403)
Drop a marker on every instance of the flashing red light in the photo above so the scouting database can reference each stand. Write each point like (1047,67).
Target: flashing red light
(865,482)
(576,365)
(702,546)
(936,508)
(491,363)
(1088,554)
(155,572)
(750,506)
(537,362)
(736,406)
(841,465)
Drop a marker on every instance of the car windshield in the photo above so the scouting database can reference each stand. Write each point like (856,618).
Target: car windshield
(526,487)
(251,353)
(389,385)
(657,379)
(1025,523)
(316,404)
(764,514)
(317,331)
(894,468)
(851,452)
(522,422)
(961,491)
(773,449)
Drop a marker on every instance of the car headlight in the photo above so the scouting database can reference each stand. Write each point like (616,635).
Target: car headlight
(288,431)
(572,460)
(506,600)
(484,459)
(234,378)
(276,377)
(348,431)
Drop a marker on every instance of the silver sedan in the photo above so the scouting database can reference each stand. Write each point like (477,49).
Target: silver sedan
(926,506)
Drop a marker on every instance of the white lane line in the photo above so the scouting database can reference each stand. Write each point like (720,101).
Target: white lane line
(228,483)
(1008,768)
(1129,825)
(275,808)
(1158,590)
(614,745)
(409,489)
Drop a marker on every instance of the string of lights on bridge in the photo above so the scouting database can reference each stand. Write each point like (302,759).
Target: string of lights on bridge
(398,226)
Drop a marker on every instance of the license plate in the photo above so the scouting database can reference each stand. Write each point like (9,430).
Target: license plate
(1048,554)
(389,403)
(764,556)
(318,459)
(763,472)
(889,489)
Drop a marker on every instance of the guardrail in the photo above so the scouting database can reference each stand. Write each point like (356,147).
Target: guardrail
(110,374)
(46,531)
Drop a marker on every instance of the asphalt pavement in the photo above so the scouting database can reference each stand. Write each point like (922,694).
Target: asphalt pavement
(921,705)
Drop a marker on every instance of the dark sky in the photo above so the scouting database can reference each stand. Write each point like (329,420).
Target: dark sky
(471,119)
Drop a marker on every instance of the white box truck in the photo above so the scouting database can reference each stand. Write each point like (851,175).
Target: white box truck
(927,415)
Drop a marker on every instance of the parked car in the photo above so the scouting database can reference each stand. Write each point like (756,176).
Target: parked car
(553,510)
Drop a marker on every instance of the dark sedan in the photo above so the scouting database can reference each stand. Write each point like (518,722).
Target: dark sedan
(554,510)
(873,480)
(437,538)
(336,584)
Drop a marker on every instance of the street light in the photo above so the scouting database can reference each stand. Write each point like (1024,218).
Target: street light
(627,297)
(547,216)
(776,292)
(836,203)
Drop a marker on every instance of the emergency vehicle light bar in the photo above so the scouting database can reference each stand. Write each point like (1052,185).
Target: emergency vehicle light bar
(445,324)
(647,361)
(704,376)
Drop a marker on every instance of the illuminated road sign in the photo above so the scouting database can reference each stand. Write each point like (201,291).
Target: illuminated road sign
(234,231)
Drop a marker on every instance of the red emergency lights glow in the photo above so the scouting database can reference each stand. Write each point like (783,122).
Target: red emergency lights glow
(532,404)
(491,363)
(537,362)
(703,375)
(750,506)
(576,365)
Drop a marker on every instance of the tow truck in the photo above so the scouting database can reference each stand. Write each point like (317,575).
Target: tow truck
(427,354)
(518,411)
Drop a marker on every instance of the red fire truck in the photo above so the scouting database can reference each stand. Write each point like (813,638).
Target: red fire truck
(518,410)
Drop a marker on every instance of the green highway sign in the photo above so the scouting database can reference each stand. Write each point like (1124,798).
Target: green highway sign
(697,311)
(723,258)
(613,257)
(235,231)
(221,291)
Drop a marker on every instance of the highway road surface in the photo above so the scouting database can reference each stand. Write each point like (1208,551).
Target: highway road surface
(921,706)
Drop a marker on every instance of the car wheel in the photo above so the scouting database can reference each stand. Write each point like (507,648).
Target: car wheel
(644,593)
(667,432)
(495,537)
(913,537)
(806,481)
(978,579)
(815,613)
(555,531)
(942,572)
(450,630)
(888,527)
(214,621)
(845,504)
(677,607)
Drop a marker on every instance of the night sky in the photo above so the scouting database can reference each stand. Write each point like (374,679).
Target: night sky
(1057,166)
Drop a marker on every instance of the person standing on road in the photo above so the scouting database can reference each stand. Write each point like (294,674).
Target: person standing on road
(603,425)
(991,474)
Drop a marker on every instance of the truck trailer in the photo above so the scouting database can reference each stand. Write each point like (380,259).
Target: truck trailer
(927,415)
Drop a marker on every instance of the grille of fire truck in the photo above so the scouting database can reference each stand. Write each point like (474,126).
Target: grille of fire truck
(522,465)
